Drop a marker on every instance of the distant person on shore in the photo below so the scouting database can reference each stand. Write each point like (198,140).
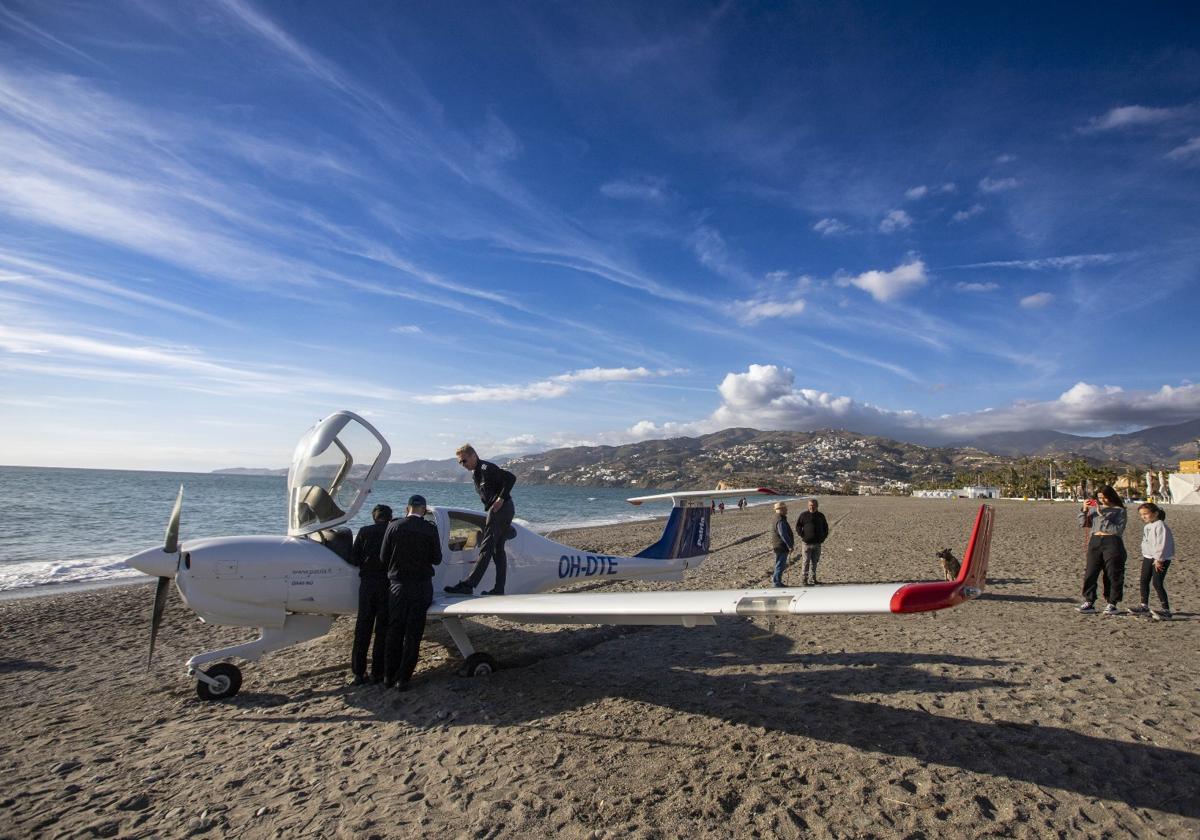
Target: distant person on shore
(812,528)
(1106,550)
(721,507)
(411,548)
(783,541)
(494,486)
(741,504)
(372,598)
(1158,550)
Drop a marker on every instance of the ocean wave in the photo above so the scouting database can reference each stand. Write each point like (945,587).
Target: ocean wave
(46,572)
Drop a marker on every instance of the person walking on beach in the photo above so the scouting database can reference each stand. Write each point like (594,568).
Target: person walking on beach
(1106,551)
(494,486)
(372,597)
(812,528)
(411,548)
(783,541)
(1158,549)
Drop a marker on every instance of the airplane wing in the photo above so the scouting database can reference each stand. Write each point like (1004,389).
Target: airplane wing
(702,606)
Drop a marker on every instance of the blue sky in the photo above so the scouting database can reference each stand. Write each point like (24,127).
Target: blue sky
(546,224)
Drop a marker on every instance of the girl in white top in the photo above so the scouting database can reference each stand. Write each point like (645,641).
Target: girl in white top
(1158,549)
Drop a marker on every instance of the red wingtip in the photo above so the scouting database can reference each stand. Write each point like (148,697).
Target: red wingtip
(938,595)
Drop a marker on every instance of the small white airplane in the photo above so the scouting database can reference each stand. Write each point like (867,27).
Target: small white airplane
(292,587)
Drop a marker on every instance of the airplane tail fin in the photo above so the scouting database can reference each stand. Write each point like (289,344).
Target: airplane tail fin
(971,580)
(687,531)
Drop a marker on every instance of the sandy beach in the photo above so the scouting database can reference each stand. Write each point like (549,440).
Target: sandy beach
(1011,716)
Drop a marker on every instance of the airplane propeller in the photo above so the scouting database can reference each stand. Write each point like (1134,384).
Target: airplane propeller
(170,546)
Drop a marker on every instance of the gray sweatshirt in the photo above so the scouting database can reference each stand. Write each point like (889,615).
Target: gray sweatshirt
(1157,541)
(1105,520)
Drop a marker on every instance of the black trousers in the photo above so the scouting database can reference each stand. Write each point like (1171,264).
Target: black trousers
(1150,574)
(1107,554)
(372,621)
(491,547)
(408,602)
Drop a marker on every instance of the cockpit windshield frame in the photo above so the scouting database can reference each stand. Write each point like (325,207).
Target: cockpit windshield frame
(323,490)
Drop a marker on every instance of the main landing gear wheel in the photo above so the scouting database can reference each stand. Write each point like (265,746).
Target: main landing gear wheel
(479,665)
(228,680)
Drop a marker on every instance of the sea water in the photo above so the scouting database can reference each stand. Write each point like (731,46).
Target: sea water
(74,526)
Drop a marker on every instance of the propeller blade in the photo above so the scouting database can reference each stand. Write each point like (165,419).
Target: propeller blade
(160,601)
(172,542)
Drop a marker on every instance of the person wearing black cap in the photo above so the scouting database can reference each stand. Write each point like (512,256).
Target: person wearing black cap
(372,597)
(494,486)
(411,548)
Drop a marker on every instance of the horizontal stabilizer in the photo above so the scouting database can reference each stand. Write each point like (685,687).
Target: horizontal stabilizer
(702,495)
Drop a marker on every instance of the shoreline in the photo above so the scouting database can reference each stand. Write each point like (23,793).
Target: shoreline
(1005,716)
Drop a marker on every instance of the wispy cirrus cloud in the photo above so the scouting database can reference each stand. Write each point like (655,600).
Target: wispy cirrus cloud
(648,189)
(996,185)
(969,213)
(1072,262)
(977,287)
(831,227)
(1132,116)
(1188,152)
(1038,300)
(542,389)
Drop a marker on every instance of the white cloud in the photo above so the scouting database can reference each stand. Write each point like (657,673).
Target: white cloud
(753,311)
(1128,116)
(895,220)
(1039,300)
(886,285)
(545,389)
(917,192)
(1072,262)
(831,227)
(995,185)
(407,329)
(1189,151)
(1006,158)
(766,397)
(647,189)
(970,213)
(977,287)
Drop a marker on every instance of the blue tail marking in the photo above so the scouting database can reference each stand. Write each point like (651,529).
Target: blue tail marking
(686,535)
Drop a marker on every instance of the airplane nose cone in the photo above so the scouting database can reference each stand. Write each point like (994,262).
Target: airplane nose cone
(155,561)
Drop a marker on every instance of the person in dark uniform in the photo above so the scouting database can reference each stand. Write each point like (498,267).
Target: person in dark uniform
(372,597)
(494,486)
(411,548)
(812,528)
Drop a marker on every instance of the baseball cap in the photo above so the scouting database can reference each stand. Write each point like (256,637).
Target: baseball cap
(416,500)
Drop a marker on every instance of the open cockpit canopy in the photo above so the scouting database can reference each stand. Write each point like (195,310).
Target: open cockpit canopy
(333,468)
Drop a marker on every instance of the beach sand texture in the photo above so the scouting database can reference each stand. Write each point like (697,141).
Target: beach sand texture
(1012,716)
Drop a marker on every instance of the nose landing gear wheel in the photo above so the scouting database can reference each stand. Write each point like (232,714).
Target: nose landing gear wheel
(479,665)
(228,680)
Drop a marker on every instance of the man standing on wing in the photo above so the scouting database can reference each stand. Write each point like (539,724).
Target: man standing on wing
(494,486)
(411,548)
(812,528)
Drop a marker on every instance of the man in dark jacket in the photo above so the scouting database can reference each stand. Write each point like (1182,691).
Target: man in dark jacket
(812,529)
(783,541)
(372,597)
(411,548)
(494,486)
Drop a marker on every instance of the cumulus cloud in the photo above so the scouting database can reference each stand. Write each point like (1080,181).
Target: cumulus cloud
(766,397)
(544,389)
(976,287)
(652,190)
(1038,300)
(1130,116)
(886,285)
(895,220)
(831,227)
(995,185)
(970,213)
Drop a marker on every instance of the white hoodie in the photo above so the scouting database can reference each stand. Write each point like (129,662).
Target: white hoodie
(1157,541)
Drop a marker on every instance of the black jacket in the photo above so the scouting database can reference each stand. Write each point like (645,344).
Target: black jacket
(411,548)
(782,538)
(492,482)
(366,551)
(812,527)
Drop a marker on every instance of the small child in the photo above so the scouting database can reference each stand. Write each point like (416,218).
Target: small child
(1158,549)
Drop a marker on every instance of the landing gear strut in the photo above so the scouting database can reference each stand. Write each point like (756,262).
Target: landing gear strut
(477,664)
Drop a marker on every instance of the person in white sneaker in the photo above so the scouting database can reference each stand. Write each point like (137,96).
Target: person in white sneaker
(1158,550)
(1106,550)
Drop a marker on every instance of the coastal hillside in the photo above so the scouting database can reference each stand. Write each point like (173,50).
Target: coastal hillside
(1160,446)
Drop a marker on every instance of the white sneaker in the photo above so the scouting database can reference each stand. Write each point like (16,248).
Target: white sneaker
(1111,609)
(1086,607)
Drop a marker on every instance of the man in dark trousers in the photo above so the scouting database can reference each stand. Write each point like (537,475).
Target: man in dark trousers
(372,597)
(783,541)
(812,529)
(494,486)
(411,548)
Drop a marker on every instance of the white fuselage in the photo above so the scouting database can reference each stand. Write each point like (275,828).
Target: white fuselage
(255,581)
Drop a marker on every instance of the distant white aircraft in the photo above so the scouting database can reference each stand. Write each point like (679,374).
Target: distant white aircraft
(292,587)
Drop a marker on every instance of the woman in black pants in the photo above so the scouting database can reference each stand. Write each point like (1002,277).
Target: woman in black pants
(1106,551)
